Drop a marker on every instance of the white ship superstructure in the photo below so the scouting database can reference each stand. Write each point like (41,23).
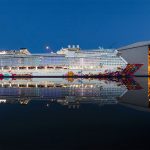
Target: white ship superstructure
(69,61)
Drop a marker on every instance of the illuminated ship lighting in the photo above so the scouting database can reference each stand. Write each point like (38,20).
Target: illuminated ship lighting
(70,62)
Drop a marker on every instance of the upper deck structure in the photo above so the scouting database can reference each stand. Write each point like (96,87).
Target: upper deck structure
(71,61)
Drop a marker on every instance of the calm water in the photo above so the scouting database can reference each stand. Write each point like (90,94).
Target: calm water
(49,114)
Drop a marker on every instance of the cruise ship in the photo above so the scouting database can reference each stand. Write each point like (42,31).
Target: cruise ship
(66,62)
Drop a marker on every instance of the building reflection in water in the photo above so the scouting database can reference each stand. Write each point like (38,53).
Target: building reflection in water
(75,92)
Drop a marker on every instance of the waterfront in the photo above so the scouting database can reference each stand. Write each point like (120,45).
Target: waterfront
(61,113)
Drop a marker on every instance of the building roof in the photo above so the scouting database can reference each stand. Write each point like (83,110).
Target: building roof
(134,45)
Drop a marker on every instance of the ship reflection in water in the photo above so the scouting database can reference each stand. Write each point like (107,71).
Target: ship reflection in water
(79,113)
(73,92)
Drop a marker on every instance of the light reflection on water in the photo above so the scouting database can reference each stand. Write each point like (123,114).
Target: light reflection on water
(73,92)
(61,113)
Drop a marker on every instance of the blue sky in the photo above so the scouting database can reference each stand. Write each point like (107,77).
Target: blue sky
(90,23)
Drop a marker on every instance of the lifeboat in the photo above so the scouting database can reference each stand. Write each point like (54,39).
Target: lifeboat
(50,67)
(58,67)
(22,67)
(40,67)
(32,67)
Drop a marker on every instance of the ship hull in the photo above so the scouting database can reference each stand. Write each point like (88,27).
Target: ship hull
(129,70)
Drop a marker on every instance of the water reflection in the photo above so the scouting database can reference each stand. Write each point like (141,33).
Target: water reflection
(77,113)
(72,93)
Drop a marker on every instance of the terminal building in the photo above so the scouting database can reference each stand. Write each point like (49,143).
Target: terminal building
(138,53)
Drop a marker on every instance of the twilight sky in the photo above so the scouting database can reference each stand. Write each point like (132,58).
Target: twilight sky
(90,23)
